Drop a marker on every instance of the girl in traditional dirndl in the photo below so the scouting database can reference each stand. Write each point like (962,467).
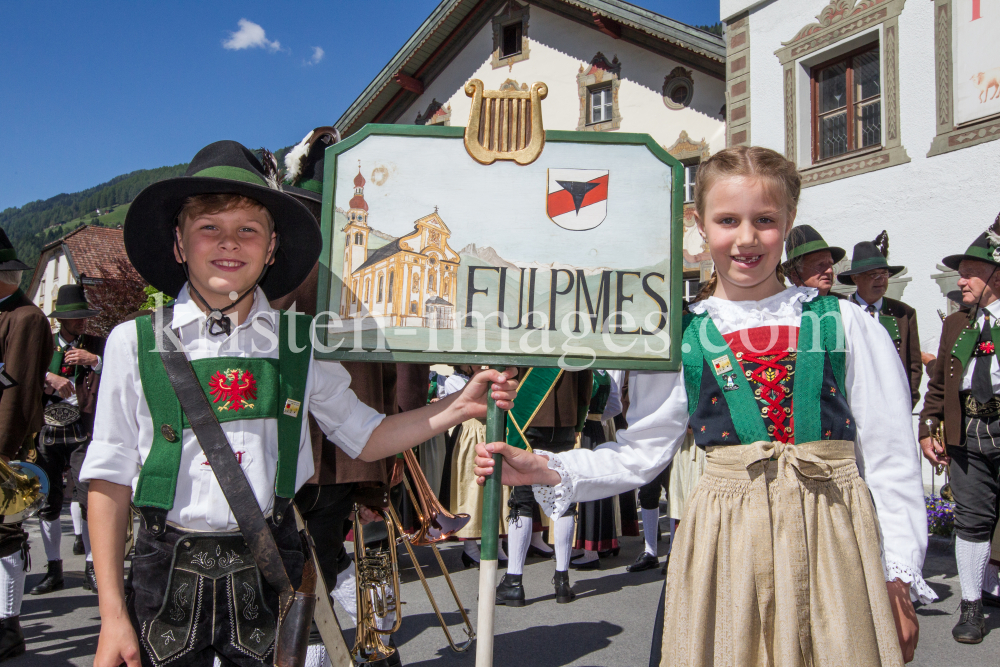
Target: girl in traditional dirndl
(803,410)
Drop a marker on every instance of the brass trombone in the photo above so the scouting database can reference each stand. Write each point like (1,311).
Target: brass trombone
(378,571)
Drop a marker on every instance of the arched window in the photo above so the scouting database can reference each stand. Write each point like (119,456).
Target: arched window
(381,280)
(431,280)
(354,292)
(392,283)
(368,287)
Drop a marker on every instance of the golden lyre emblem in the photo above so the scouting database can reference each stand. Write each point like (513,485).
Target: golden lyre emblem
(505,124)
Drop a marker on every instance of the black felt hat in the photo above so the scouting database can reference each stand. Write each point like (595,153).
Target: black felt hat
(71,304)
(986,248)
(8,256)
(803,240)
(304,163)
(867,256)
(225,167)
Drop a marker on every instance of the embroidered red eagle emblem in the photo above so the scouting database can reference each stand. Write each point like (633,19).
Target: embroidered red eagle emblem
(235,388)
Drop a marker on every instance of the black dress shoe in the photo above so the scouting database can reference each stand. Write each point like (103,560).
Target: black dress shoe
(52,581)
(645,561)
(78,549)
(587,565)
(510,591)
(971,623)
(535,551)
(469,561)
(11,638)
(90,577)
(991,600)
(610,552)
(564,593)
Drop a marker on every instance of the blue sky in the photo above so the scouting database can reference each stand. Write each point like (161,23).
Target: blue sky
(92,90)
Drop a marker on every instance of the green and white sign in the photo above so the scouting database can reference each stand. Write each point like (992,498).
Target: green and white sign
(571,260)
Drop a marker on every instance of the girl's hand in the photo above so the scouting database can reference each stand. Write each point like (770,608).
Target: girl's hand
(472,399)
(117,642)
(520,467)
(907,626)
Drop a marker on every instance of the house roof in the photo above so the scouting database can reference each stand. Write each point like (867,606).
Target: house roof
(454,23)
(387,250)
(88,249)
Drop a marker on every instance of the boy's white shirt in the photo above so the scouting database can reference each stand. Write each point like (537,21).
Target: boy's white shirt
(123,427)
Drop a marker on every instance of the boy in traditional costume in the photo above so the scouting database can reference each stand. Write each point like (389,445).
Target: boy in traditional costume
(215,497)
(779,559)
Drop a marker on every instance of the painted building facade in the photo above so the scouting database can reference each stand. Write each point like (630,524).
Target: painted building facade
(608,66)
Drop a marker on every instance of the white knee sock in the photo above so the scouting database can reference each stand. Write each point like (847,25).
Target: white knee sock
(673,528)
(971,558)
(11,585)
(564,533)
(51,538)
(86,543)
(316,656)
(77,514)
(501,554)
(587,557)
(346,592)
(518,538)
(538,542)
(471,548)
(650,522)
(991,580)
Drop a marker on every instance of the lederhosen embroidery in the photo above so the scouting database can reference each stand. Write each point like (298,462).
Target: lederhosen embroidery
(211,556)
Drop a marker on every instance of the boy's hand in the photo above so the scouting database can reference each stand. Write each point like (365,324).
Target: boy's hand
(520,467)
(117,643)
(503,387)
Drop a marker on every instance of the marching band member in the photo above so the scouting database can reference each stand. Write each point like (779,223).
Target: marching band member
(810,260)
(870,273)
(963,396)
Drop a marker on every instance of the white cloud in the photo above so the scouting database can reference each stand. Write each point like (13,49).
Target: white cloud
(317,56)
(249,36)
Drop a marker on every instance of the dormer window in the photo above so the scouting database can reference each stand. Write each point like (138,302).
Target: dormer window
(510,44)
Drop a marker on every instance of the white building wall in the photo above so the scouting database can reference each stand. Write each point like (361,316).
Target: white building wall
(558,48)
(931,207)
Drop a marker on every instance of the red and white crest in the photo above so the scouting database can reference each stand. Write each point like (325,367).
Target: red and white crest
(578,198)
(234,388)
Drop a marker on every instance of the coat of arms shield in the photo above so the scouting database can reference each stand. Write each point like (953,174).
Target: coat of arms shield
(577,198)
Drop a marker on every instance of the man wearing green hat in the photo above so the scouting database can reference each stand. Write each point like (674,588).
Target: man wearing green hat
(870,273)
(810,260)
(25,351)
(960,422)
(71,384)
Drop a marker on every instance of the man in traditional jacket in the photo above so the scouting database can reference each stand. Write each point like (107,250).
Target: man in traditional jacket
(71,384)
(25,351)
(960,422)
(870,273)
(550,411)
(809,260)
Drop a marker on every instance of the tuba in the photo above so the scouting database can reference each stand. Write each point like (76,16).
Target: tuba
(378,571)
(377,591)
(23,487)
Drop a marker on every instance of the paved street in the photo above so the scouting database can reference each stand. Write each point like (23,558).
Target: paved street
(609,624)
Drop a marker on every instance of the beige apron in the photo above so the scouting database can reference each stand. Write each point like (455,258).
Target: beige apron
(777,562)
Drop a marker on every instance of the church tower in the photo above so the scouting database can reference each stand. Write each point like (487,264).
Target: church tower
(356,244)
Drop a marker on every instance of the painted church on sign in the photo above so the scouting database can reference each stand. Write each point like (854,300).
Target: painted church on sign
(411,281)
